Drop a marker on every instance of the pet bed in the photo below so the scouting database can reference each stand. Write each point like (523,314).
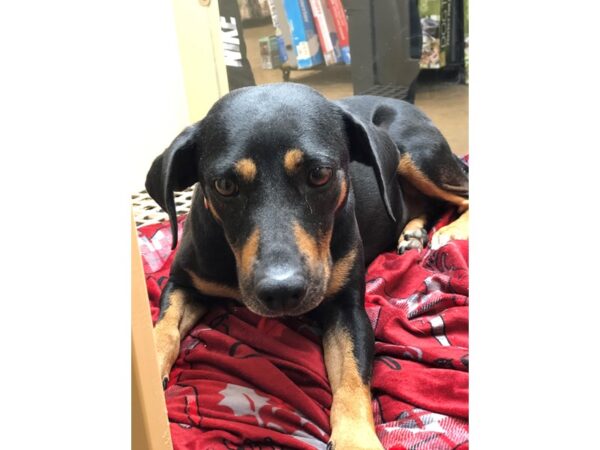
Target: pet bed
(245,382)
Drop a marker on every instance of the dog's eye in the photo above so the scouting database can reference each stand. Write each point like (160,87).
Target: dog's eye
(226,187)
(320,176)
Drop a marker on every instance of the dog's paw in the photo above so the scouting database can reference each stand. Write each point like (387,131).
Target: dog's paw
(166,342)
(357,440)
(454,231)
(412,239)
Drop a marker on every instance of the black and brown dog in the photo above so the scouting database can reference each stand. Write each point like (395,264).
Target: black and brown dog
(294,195)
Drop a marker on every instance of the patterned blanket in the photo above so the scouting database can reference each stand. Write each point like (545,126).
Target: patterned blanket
(245,382)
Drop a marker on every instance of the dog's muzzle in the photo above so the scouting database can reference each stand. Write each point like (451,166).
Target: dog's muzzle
(281,289)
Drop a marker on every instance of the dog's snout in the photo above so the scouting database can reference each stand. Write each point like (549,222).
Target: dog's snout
(281,289)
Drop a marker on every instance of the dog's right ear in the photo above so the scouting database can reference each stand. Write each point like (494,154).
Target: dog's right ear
(175,170)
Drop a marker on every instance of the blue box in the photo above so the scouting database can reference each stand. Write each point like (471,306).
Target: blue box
(304,35)
(282,31)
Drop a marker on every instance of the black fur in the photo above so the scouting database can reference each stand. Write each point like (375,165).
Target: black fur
(360,138)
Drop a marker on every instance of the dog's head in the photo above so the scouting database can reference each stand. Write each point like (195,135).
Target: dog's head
(272,162)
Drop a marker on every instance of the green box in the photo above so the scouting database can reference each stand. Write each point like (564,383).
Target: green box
(269,52)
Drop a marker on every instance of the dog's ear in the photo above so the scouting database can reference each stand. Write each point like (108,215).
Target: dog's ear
(371,145)
(175,170)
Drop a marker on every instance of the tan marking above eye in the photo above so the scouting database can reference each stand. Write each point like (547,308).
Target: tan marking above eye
(293,160)
(246,169)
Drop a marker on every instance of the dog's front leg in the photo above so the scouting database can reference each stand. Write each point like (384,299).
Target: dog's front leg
(180,309)
(459,229)
(348,345)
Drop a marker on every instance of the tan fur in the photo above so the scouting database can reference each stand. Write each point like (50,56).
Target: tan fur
(307,245)
(459,229)
(292,161)
(315,250)
(413,225)
(248,254)
(323,244)
(211,208)
(351,416)
(213,289)
(339,273)
(408,170)
(343,193)
(246,169)
(179,318)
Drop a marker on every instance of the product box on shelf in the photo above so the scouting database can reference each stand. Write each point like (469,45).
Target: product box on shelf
(304,34)
(327,33)
(282,31)
(269,52)
(341,27)
(435,24)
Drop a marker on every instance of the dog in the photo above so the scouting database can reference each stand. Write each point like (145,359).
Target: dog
(294,195)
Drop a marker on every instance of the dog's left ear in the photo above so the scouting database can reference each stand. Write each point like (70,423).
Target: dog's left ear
(372,146)
(175,170)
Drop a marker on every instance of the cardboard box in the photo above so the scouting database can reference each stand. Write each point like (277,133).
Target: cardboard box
(304,34)
(326,31)
(341,27)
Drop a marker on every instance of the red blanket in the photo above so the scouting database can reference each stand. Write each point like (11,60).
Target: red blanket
(242,382)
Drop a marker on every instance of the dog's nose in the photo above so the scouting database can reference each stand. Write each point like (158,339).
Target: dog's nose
(281,289)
